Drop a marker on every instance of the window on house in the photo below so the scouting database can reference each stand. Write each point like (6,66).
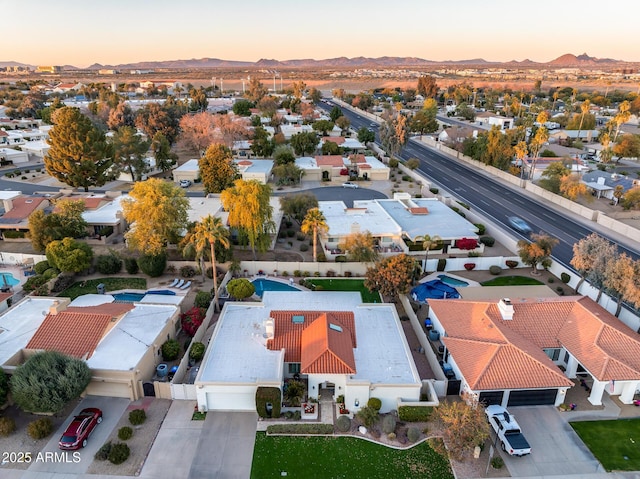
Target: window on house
(553,354)
(294,368)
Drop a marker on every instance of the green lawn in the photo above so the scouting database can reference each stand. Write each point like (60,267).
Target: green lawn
(341,284)
(512,281)
(111,284)
(612,441)
(343,457)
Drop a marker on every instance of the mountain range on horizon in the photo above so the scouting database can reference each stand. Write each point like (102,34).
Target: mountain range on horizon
(566,60)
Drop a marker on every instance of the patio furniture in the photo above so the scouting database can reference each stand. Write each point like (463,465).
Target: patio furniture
(186,285)
(180,283)
(174,283)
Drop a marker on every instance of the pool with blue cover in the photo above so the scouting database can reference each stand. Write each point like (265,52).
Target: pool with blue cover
(434,289)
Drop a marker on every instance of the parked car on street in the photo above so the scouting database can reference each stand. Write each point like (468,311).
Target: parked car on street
(350,184)
(81,427)
(519,225)
(185,183)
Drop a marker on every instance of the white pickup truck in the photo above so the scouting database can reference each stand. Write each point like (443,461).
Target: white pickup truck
(507,431)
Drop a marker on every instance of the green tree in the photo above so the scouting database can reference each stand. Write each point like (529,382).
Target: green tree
(288,174)
(79,155)
(412,163)
(250,211)
(69,255)
(343,123)
(217,169)
(209,231)
(129,151)
(424,121)
(553,175)
(335,113)
(262,144)
(4,387)
(304,143)
(537,251)
(242,108)
(47,381)
(199,100)
(161,149)
(240,288)
(323,126)
(153,118)
(359,247)
(296,206)
(621,280)
(628,146)
(255,91)
(283,154)
(392,276)
(65,221)
(157,211)
(315,95)
(631,199)
(499,151)
(331,148)
(393,134)
(314,223)
(366,136)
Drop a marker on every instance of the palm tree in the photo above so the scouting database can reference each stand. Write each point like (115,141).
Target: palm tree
(584,109)
(427,242)
(209,231)
(314,222)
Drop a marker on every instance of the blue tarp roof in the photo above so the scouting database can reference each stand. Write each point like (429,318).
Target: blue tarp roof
(434,289)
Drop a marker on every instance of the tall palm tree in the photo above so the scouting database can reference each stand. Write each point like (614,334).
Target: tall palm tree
(427,242)
(584,109)
(209,231)
(314,223)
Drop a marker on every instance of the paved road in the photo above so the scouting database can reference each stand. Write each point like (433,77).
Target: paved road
(496,200)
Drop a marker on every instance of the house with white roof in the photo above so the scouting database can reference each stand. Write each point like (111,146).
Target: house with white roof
(14,156)
(259,170)
(190,170)
(36,148)
(490,119)
(330,339)
(289,130)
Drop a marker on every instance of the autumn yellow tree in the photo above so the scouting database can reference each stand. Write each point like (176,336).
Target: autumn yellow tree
(157,213)
(314,223)
(537,251)
(392,276)
(464,426)
(621,280)
(250,211)
(217,169)
(590,258)
(359,247)
(428,242)
(573,188)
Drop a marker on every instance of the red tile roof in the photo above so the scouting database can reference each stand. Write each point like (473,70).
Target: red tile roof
(327,348)
(338,140)
(4,296)
(90,202)
(494,353)
(23,206)
(319,349)
(358,158)
(330,160)
(420,210)
(76,331)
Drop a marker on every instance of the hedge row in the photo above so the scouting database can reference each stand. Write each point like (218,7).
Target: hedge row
(300,429)
(414,413)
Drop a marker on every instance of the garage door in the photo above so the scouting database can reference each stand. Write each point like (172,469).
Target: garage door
(231,401)
(491,397)
(532,397)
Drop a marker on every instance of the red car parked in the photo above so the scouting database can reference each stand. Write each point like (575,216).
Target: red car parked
(77,433)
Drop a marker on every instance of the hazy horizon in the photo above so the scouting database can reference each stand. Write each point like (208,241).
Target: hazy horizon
(73,32)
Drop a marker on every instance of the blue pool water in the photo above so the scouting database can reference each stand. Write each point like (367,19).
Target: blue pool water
(127,297)
(452,281)
(7,278)
(263,284)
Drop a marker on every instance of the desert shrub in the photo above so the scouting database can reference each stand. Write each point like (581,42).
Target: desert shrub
(290,233)
(406,178)
(551,280)
(153,265)
(187,271)
(343,423)
(481,228)
(413,434)
(341,258)
(102,454)
(495,270)
(442,263)
(393,163)
(192,319)
(560,290)
(388,424)
(41,266)
(131,265)
(304,247)
(368,416)
(119,453)
(300,236)
(321,257)
(434,190)
(170,350)
(125,433)
(414,413)
(487,240)
(4,387)
(374,403)
(203,299)
(565,277)
(7,426)
(11,234)
(105,231)
(108,264)
(62,283)
(306,274)
(50,273)
(40,428)
(511,263)
(137,417)
(34,282)
(297,273)
(497,462)
(285,274)
(469,266)
(196,353)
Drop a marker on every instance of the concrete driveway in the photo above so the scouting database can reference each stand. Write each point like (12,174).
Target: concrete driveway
(112,410)
(225,448)
(556,450)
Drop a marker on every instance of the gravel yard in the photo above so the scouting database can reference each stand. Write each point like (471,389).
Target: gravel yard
(140,443)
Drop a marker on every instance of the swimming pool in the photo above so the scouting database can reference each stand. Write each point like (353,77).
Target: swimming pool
(8,279)
(127,297)
(263,284)
(452,281)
